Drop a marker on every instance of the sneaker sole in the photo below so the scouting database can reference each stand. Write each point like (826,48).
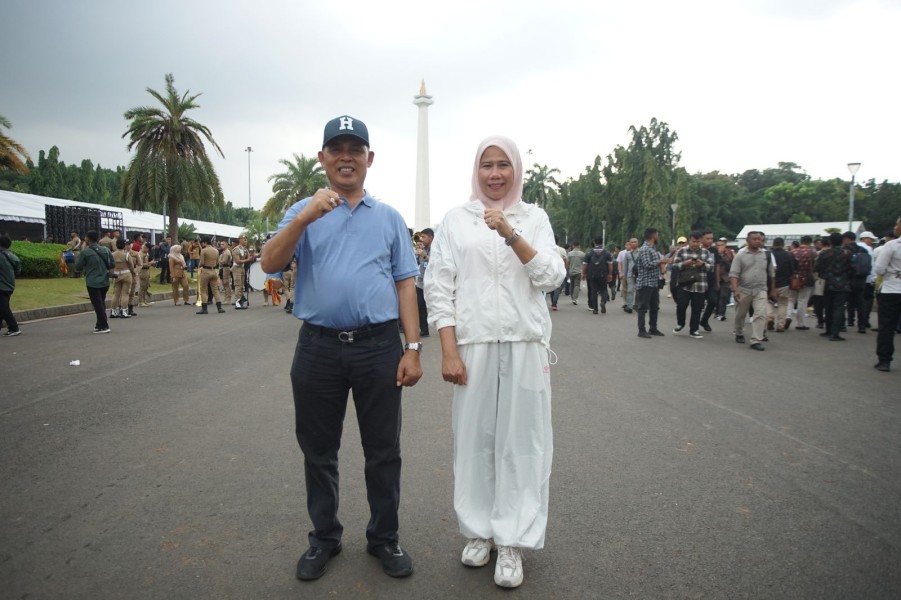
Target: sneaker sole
(508,583)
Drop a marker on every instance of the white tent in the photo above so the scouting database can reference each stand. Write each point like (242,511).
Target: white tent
(793,231)
(28,208)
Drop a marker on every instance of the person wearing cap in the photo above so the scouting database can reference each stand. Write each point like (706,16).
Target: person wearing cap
(674,268)
(355,278)
(888,266)
(866,241)
(240,262)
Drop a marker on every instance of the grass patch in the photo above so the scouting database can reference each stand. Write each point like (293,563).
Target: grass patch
(40,293)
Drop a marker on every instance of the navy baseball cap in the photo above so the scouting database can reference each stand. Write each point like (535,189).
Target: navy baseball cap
(345,125)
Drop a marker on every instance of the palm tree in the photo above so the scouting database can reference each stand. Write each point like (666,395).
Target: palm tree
(540,187)
(11,152)
(303,177)
(171,165)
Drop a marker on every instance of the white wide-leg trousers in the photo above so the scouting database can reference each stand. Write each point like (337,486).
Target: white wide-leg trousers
(503,443)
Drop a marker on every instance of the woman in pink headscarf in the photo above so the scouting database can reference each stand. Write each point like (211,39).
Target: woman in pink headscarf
(492,261)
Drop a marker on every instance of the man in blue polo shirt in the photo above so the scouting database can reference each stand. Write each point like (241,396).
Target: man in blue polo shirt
(355,278)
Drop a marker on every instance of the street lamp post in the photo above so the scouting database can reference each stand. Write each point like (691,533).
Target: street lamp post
(674,207)
(853,167)
(604,233)
(248,150)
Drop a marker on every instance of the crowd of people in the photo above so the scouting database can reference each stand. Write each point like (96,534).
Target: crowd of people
(482,281)
(834,279)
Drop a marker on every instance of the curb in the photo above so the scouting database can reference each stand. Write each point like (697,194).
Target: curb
(49,312)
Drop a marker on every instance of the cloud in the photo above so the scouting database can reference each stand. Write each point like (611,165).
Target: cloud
(745,84)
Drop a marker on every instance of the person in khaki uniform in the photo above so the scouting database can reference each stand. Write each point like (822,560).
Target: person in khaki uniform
(240,256)
(144,277)
(225,264)
(178,275)
(137,263)
(209,276)
(124,270)
(289,275)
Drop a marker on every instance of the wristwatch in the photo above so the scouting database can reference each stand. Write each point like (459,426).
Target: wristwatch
(413,346)
(512,239)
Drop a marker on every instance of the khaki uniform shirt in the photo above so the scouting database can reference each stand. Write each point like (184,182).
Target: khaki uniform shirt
(209,257)
(225,259)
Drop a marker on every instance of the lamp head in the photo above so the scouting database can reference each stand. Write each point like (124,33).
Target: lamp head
(853,167)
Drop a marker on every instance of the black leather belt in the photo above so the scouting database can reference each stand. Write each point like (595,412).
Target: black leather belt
(206,267)
(353,335)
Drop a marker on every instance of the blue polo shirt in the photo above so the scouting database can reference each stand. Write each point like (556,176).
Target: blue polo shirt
(348,262)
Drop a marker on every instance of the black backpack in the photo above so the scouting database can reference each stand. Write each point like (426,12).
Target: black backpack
(599,264)
(862,262)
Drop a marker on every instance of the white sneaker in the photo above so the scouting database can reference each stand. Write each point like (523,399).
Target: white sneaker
(477,552)
(508,571)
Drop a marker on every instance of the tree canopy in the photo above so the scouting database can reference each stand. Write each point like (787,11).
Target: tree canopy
(303,177)
(171,165)
(12,154)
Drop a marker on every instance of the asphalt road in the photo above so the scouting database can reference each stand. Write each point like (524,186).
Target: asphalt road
(165,466)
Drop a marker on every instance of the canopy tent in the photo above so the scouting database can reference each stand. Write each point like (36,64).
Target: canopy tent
(793,231)
(28,208)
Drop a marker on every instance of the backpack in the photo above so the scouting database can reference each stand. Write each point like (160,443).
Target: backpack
(598,266)
(862,262)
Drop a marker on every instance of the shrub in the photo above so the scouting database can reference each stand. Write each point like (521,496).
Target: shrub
(38,260)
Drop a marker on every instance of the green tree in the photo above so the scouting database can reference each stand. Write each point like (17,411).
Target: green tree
(12,154)
(186,231)
(256,231)
(642,181)
(540,187)
(303,177)
(171,165)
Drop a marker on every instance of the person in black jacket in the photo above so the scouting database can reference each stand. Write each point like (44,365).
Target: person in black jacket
(786,265)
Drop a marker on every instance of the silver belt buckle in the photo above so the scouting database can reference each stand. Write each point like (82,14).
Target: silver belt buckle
(346,336)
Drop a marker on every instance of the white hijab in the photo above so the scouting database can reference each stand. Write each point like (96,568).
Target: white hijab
(175,252)
(509,148)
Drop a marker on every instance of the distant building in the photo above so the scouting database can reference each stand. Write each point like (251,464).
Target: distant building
(793,231)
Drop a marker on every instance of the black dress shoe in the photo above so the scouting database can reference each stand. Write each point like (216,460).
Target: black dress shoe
(644,334)
(395,561)
(836,338)
(312,564)
(739,339)
(656,332)
(882,366)
(757,346)
(706,326)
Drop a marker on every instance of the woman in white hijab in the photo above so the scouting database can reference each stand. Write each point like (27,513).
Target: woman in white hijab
(491,263)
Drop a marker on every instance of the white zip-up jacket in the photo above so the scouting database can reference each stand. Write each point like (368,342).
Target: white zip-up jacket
(476,283)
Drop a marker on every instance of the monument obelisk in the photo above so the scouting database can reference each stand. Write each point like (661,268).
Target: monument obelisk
(422,218)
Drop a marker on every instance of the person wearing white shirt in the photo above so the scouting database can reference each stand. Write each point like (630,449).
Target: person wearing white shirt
(888,265)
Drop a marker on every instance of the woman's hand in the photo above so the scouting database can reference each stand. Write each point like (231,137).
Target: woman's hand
(453,370)
(496,220)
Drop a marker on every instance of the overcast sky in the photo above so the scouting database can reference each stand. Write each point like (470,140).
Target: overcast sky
(744,83)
